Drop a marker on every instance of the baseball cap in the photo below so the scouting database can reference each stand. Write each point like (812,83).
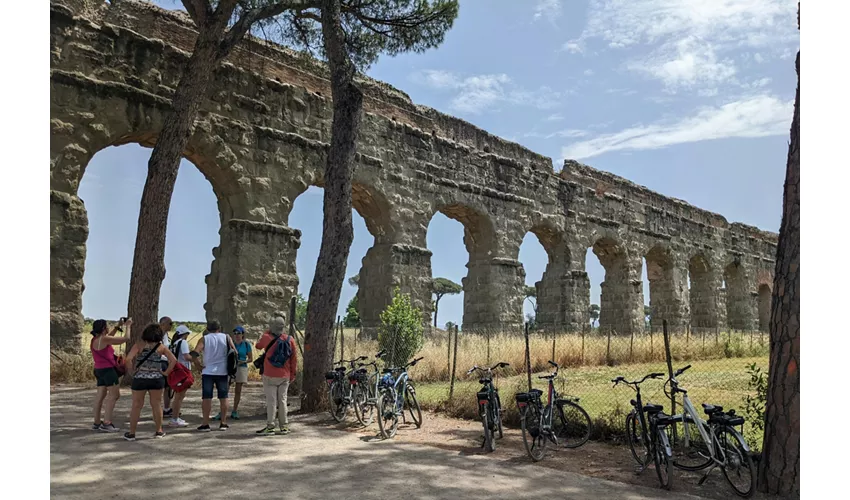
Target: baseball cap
(239,330)
(182,330)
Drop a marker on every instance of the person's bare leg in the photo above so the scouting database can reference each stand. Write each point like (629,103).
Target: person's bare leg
(238,397)
(223,406)
(177,404)
(206,406)
(98,403)
(166,399)
(136,410)
(155,397)
(112,395)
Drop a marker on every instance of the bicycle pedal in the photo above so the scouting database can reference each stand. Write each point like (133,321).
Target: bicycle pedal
(639,469)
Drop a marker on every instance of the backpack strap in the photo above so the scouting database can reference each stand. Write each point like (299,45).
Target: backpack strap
(140,363)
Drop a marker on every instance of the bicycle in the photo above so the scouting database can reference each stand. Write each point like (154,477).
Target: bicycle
(489,405)
(340,389)
(395,393)
(364,405)
(648,420)
(541,424)
(716,443)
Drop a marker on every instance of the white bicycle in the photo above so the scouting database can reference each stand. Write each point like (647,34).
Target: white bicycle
(715,443)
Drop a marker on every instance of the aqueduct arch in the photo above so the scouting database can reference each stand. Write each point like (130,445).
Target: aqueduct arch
(262,135)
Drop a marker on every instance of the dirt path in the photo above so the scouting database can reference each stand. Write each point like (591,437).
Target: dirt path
(317,460)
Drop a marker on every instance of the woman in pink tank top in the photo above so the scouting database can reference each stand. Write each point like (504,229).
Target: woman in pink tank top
(105,371)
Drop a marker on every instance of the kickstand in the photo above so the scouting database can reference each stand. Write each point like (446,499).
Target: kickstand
(639,469)
(705,476)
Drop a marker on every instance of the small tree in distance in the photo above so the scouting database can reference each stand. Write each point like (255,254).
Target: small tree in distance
(352,314)
(441,287)
(594,314)
(401,333)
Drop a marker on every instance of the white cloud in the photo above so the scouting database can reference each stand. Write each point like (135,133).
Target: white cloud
(573,47)
(757,116)
(547,9)
(479,92)
(588,72)
(555,117)
(690,42)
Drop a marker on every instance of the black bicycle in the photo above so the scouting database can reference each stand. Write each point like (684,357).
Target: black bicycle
(489,405)
(646,429)
(341,392)
(561,420)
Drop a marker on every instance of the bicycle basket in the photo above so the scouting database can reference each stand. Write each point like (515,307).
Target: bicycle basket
(526,397)
(333,375)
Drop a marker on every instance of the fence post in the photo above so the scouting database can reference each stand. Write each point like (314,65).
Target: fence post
(608,349)
(488,347)
(631,346)
(651,344)
(341,341)
(527,358)
(449,354)
(669,372)
(292,304)
(454,368)
(336,332)
(752,334)
(583,331)
(716,334)
(355,343)
(687,335)
(553,346)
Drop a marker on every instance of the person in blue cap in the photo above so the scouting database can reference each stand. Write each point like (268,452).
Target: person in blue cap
(246,355)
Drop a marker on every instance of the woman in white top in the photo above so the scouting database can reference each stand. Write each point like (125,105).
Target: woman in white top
(180,349)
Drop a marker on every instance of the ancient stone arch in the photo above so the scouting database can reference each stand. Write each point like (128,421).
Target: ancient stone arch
(261,139)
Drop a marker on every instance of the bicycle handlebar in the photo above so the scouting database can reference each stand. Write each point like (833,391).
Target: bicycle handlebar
(635,382)
(681,371)
(500,364)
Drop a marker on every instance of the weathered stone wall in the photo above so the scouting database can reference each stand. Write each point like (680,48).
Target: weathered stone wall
(261,138)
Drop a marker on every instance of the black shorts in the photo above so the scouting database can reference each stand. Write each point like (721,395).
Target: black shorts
(148,384)
(221,386)
(106,377)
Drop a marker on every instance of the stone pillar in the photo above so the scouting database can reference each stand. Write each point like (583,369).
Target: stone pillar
(493,295)
(708,309)
(253,274)
(668,294)
(68,233)
(741,301)
(563,301)
(385,267)
(621,303)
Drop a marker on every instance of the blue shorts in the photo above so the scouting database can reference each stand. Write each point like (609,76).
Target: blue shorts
(221,386)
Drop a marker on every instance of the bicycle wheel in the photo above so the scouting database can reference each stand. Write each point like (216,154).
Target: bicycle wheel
(363,410)
(413,406)
(659,456)
(497,412)
(738,469)
(638,443)
(387,417)
(571,424)
(489,438)
(532,434)
(338,408)
(690,452)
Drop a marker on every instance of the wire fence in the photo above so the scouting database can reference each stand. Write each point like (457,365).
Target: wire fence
(589,360)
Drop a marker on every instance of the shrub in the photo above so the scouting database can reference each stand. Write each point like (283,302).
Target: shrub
(754,406)
(401,333)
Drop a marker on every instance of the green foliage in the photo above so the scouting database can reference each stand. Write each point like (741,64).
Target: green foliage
(594,313)
(531,319)
(530,291)
(352,314)
(449,325)
(300,312)
(443,286)
(354,280)
(401,331)
(754,405)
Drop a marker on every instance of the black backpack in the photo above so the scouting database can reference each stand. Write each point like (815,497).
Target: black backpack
(232,361)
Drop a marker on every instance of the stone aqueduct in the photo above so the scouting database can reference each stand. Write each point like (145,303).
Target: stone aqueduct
(261,139)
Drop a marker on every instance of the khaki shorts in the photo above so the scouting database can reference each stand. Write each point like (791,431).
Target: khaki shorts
(242,375)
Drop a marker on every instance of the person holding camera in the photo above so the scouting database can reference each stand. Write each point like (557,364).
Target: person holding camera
(165,324)
(276,379)
(106,370)
(148,377)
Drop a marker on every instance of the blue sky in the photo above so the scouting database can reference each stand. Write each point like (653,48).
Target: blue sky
(690,98)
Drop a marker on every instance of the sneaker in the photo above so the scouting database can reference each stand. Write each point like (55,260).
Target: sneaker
(204,428)
(283,431)
(178,422)
(217,417)
(129,437)
(234,415)
(96,426)
(167,413)
(159,434)
(267,430)
(109,428)
(223,427)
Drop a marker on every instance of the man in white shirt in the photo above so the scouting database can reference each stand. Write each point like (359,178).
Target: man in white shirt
(181,352)
(165,325)
(214,345)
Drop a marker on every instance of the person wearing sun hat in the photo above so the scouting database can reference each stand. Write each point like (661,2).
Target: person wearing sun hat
(180,349)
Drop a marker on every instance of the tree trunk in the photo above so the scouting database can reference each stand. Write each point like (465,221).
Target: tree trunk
(149,254)
(337,228)
(779,469)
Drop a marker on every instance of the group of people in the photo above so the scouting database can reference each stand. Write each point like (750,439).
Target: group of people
(152,359)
